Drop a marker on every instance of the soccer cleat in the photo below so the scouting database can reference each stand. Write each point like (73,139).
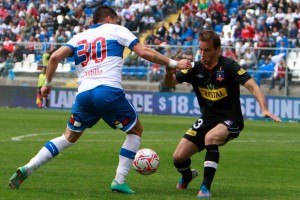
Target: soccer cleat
(183,185)
(18,177)
(123,188)
(204,193)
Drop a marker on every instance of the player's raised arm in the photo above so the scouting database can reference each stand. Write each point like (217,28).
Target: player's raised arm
(156,57)
(169,78)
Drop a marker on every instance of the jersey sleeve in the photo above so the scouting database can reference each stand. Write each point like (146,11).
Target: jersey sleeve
(240,75)
(126,37)
(72,43)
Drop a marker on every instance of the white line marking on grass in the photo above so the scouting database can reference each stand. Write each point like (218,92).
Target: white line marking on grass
(19,138)
(32,135)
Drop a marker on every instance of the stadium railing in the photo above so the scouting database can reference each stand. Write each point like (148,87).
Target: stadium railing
(32,62)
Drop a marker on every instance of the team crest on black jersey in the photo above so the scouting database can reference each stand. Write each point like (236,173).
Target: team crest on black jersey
(220,74)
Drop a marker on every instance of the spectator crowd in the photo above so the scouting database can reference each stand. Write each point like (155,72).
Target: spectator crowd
(252,32)
(241,24)
(248,28)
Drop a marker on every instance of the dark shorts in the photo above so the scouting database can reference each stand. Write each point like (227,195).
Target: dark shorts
(197,132)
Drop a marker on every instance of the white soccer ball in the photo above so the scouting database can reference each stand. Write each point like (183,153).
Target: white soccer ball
(146,161)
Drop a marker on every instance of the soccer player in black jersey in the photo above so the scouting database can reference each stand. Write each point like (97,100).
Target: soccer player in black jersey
(216,82)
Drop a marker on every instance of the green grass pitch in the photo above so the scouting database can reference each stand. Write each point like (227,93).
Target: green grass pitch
(263,163)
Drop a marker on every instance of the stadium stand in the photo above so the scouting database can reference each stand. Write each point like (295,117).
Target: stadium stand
(142,72)
(33,67)
(30,58)
(66,67)
(17,67)
(59,68)
(25,66)
(55,23)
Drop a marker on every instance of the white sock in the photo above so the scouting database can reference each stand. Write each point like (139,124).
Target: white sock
(127,153)
(49,151)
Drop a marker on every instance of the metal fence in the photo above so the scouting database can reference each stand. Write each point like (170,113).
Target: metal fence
(141,70)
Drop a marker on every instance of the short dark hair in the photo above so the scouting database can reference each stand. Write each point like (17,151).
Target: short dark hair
(102,12)
(207,35)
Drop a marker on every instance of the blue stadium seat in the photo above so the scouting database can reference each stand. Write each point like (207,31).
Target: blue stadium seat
(227,3)
(234,4)
(196,36)
(89,12)
(218,28)
(232,10)
(49,34)
(42,36)
(132,71)
(129,71)
(125,70)
(260,62)
(141,72)
(195,42)
(187,43)
(38,57)
(107,3)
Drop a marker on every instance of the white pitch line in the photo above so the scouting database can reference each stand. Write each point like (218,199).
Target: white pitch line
(21,137)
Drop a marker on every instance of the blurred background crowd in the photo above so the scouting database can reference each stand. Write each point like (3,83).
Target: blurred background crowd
(255,33)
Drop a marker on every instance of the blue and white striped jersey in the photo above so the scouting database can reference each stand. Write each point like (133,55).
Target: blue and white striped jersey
(98,55)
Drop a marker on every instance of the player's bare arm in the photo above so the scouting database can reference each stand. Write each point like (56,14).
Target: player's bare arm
(169,78)
(56,57)
(156,57)
(260,97)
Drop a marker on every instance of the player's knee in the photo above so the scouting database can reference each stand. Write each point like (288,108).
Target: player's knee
(136,130)
(72,136)
(208,139)
(178,157)
(214,139)
(139,131)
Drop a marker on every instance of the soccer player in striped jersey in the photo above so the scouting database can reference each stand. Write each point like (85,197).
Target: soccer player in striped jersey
(98,55)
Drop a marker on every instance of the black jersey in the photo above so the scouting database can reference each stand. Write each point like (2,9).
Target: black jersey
(218,89)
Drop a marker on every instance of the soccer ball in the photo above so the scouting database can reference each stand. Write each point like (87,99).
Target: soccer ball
(146,161)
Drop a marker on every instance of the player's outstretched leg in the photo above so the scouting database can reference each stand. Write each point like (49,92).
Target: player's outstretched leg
(182,184)
(47,153)
(204,192)
(18,177)
(122,188)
